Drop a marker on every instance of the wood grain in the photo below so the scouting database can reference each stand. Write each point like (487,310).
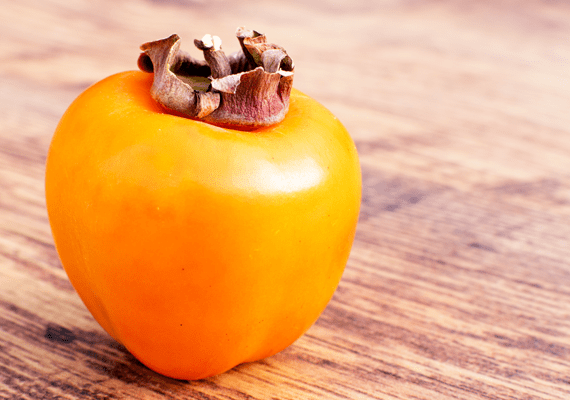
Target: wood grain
(458,285)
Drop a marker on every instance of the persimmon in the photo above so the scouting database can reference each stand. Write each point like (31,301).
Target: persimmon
(201,244)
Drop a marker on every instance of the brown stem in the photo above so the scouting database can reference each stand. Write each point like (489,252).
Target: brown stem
(248,89)
(214,56)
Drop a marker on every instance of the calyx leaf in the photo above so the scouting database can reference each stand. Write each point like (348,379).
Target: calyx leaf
(248,89)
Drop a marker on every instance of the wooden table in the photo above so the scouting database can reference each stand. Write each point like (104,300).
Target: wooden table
(458,285)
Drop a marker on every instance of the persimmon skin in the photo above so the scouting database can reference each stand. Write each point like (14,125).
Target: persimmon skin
(197,247)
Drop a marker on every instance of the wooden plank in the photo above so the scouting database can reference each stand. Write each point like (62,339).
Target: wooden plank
(458,282)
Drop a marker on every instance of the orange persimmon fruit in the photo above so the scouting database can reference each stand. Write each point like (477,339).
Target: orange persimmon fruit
(199,247)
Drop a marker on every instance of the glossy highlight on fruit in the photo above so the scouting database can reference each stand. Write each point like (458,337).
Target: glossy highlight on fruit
(198,247)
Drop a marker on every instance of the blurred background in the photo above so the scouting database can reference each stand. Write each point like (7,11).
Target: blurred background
(393,71)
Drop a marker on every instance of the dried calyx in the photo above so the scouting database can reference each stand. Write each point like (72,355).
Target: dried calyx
(244,90)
